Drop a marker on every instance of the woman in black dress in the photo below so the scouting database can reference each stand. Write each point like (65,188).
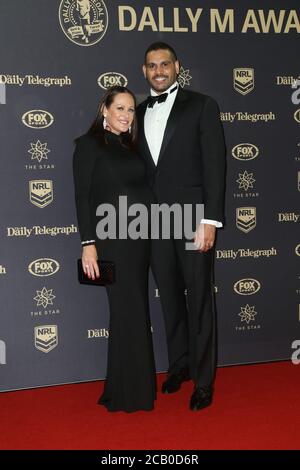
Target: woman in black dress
(105,167)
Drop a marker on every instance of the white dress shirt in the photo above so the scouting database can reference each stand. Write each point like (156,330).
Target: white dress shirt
(155,124)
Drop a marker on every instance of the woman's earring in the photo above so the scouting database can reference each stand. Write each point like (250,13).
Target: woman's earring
(129,129)
(104,122)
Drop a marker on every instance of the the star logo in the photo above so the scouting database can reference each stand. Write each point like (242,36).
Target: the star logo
(38,151)
(247,314)
(245,180)
(44,297)
(184,77)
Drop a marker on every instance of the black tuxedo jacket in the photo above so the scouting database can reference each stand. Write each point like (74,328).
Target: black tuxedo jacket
(191,163)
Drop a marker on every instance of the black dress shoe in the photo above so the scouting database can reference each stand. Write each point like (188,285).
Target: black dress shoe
(201,398)
(174,381)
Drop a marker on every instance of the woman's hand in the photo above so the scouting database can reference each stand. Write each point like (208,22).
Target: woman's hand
(89,261)
(205,237)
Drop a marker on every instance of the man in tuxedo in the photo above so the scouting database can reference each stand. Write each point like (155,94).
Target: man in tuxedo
(181,139)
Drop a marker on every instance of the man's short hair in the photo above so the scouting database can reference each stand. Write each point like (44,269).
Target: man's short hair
(155,46)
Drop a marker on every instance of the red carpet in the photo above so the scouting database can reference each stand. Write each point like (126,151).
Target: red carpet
(255,407)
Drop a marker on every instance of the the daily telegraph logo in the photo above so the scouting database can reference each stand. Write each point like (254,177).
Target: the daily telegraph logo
(41,192)
(242,116)
(45,337)
(288,217)
(243,80)
(40,230)
(242,253)
(109,79)
(35,80)
(246,218)
(289,80)
(37,119)
(245,152)
(84,22)
(97,333)
(247,286)
(43,267)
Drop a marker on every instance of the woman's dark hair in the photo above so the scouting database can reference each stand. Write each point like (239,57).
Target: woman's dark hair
(128,139)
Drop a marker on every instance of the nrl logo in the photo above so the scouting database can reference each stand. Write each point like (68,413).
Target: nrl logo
(41,192)
(246,218)
(45,337)
(243,80)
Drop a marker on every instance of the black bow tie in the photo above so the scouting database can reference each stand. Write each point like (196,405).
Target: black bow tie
(151,100)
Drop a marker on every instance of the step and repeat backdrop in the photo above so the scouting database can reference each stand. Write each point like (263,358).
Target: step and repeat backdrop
(57,58)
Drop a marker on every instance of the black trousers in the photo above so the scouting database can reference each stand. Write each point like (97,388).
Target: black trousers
(189,319)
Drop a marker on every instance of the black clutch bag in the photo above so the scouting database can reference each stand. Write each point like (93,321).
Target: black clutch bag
(107,274)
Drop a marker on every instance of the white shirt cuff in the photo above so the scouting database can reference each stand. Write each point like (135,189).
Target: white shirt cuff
(88,242)
(212,222)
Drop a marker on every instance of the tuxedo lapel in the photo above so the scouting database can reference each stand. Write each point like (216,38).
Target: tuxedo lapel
(175,114)
(178,106)
(144,147)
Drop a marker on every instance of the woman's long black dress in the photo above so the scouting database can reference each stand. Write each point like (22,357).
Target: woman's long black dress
(102,173)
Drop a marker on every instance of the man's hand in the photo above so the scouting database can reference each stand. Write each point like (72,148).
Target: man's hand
(205,237)
(89,261)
